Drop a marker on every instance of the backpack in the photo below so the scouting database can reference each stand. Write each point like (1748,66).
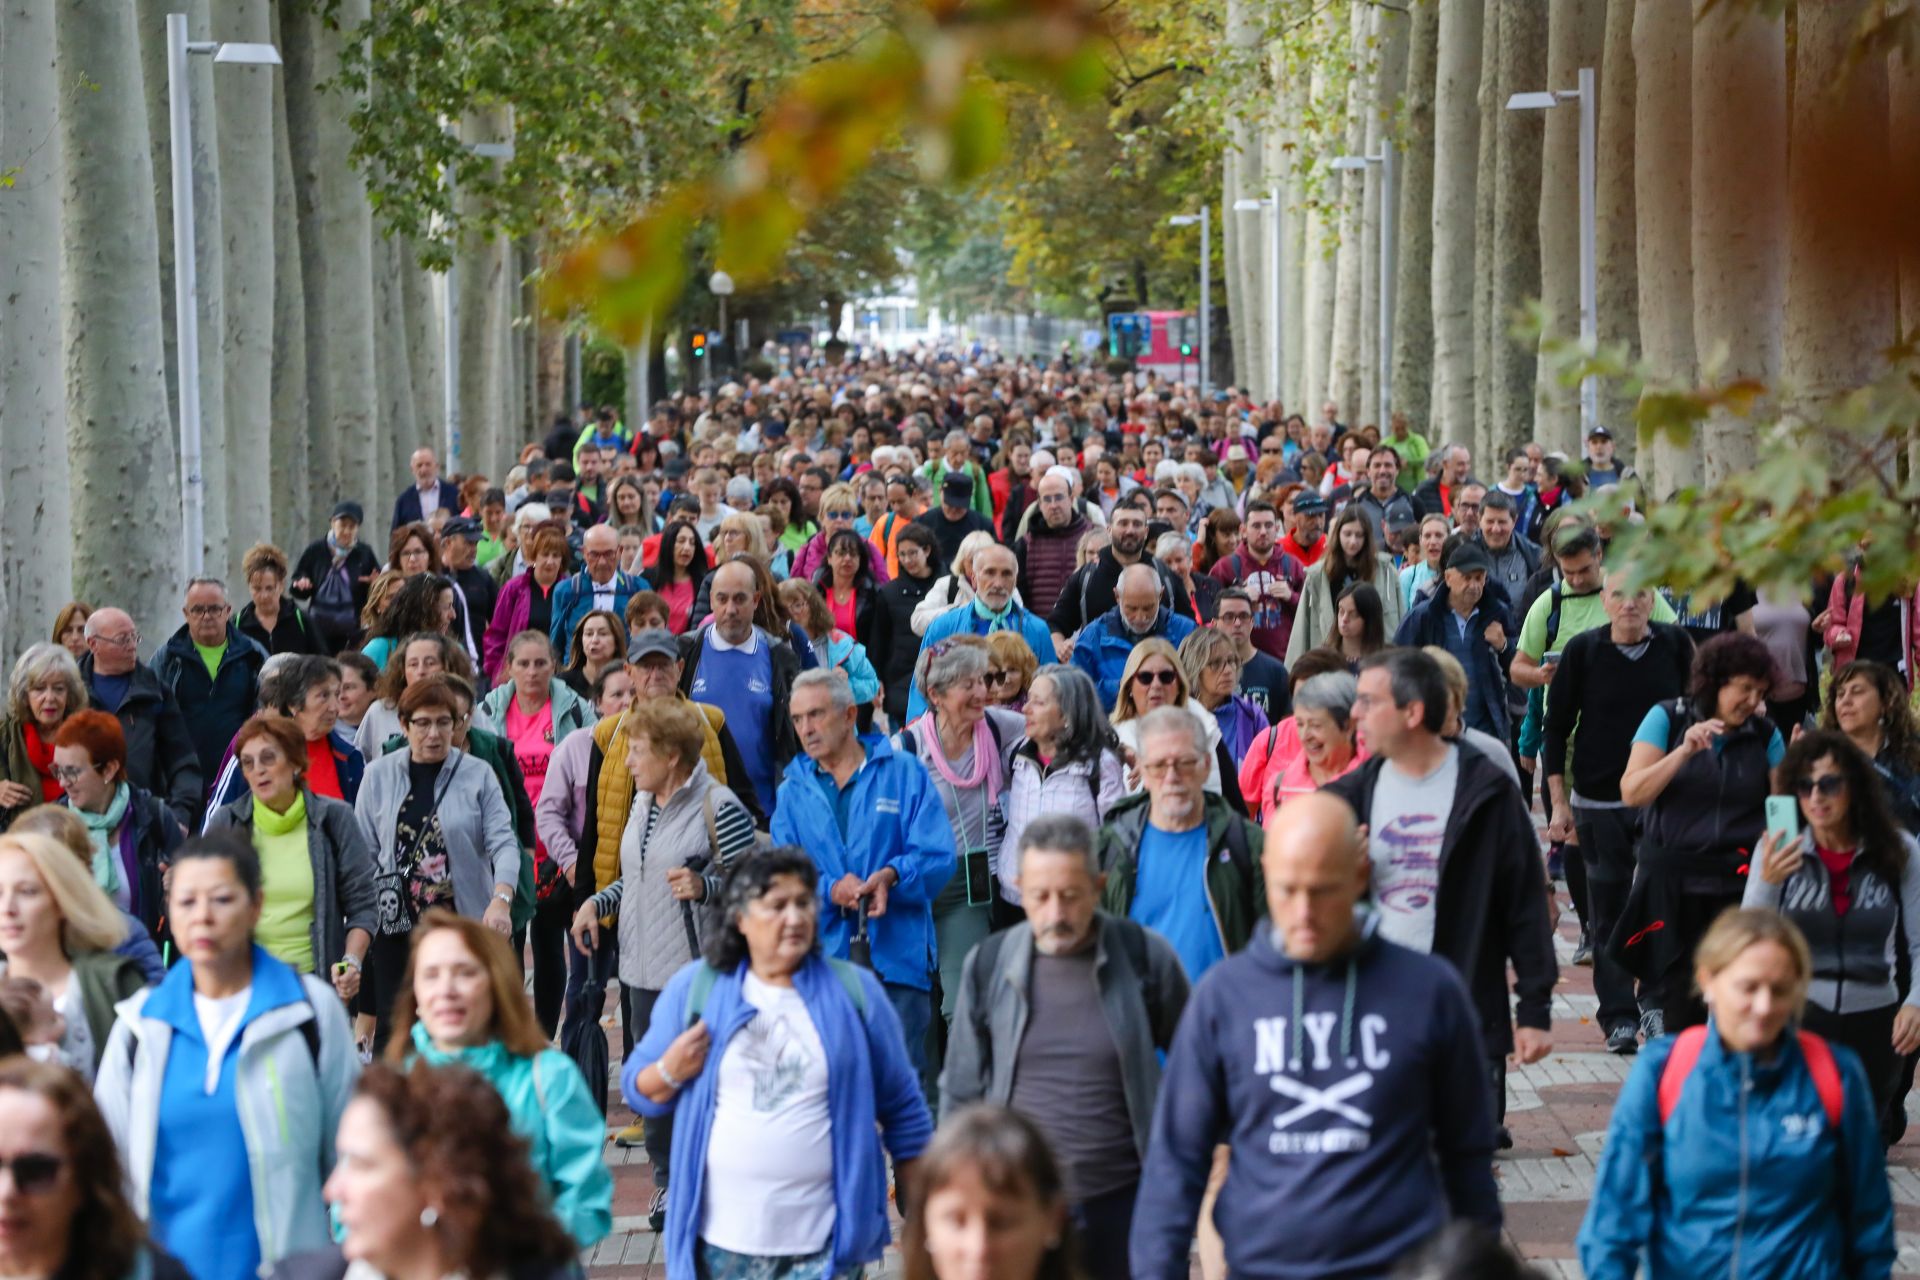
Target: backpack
(1820,1065)
(704,976)
(332,606)
(309,1032)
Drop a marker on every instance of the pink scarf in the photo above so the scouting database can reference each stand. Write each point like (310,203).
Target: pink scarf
(983,768)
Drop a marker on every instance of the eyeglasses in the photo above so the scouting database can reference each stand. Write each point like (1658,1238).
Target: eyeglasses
(1156,677)
(207,610)
(840,515)
(1053,499)
(1176,764)
(1224,664)
(1828,785)
(34,1172)
(67,774)
(999,676)
(440,725)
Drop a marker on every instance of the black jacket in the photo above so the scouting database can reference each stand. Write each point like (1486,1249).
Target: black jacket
(1091,592)
(293,631)
(786,666)
(161,756)
(895,648)
(1492,906)
(1431,623)
(1427,500)
(214,706)
(406,507)
(362,563)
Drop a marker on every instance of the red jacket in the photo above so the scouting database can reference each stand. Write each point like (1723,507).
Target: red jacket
(1847,610)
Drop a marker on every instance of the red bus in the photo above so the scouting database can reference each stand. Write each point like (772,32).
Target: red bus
(1153,339)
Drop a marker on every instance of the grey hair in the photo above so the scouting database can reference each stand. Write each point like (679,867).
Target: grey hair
(956,660)
(1088,732)
(1192,471)
(207,582)
(1171,543)
(1174,720)
(834,681)
(1332,692)
(1059,833)
(1166,470)
(953,438)
(530,514)
(36,664)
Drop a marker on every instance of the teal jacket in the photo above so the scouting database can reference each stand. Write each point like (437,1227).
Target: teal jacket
(548,1101)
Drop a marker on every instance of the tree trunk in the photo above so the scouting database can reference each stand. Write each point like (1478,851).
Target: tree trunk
(1239,231)
(1456,154)
(1739,209)
(1522,60)
(1413,362)
(1617,281)
(1663,217)
(1316,312)
(1903,85)
(245,97)
(1842,264)
(299,29)
(1391,34)
(294,519)
(1576,36)
(424,341)
(36,537)
(125,475)
(150,30)
(481,267)
(1343,378)
(346,238)
(393,367)
(1486,181)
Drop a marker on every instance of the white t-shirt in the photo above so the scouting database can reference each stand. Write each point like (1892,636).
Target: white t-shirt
(769,1179)
(1405,829)
(219,1024)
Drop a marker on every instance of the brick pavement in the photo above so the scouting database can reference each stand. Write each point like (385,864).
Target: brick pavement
(1557,1109)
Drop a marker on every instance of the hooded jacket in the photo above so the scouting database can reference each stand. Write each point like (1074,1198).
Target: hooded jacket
(1351,1092)
(161,756)
(895,645)
(570,710)
(1094,589)
(1853,954)
(573,600)
(1319,611)
(1431,621)
(214,707)
(896,820)
(1492,905)
(1745,1179)
(548,1103)
(482,847)
(1104,644)
(1236,891)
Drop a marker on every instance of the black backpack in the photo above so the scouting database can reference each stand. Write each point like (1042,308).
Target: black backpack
(333,609)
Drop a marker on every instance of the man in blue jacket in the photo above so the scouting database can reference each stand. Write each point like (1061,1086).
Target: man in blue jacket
(601,585)
(1342,1071)
(995,571)
(875,827)
(1102,647)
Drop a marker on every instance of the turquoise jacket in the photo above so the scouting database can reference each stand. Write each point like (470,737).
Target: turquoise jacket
(548,1101)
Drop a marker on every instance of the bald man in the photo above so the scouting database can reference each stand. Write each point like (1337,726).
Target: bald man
(160,753)
(598,587)
(1102,647)
(428,493)
(734,665)
(1341,1072)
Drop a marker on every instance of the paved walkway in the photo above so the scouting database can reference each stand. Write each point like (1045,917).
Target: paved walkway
(1557,1110)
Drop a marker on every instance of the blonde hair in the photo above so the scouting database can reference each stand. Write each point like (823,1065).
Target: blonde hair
(1092,543)
(840,495)
(748,526)
(1152,647)
(90,921)
(971,546)
(1738,928)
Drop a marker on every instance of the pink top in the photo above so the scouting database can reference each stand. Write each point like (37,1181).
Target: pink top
(842,607)
(679,598)
(1297,778)
(532,739)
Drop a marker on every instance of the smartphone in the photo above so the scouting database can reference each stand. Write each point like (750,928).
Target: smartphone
(1783,816)
(979,878)
(1548,659)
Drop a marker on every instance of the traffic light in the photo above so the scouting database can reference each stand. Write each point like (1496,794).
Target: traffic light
(1186,349)
(700,344)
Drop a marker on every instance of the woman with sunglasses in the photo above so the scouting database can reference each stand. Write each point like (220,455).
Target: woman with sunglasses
(1154,678)
(1850,881)
(839,509)
(1010,670)
(65,1201)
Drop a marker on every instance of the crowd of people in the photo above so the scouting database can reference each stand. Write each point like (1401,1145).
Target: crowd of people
(1093,819)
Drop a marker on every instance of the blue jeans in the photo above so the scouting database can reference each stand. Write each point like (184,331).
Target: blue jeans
(915,1008)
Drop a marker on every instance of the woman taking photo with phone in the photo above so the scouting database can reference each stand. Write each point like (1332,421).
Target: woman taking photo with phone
(1847,878)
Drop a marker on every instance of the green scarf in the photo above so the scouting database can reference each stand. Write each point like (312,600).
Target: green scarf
(270,823)
(995,621)
(100,828)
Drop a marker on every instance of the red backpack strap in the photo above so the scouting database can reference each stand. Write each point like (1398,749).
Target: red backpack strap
(1826,1075)
(1673,1076)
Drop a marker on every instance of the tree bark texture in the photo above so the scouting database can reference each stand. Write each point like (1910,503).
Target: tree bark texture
(304,107)
(1343,376)
(245,98)
(1452,216)
(1391,34)
(1576,34)
(1522,62)
(294,516)
(1617,281)
(1663,217)
(1413,354)
(1486,183)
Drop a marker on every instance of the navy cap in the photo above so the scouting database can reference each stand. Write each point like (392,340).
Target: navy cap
(351,511)
(1309,503)
(463,527)
(1469,558)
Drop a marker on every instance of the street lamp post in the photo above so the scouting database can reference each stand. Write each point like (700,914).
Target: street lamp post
(1205,219)
(186,279)
(1389,228)
(450,331)
(1587,96)
(720,285)
(1271,205)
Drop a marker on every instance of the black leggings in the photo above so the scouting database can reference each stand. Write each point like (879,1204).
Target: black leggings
(1868,1033)
(548,934)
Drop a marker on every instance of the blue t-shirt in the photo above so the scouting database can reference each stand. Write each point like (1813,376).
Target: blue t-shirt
(741,685)
(1657,731)
(110,691)
(1170,896)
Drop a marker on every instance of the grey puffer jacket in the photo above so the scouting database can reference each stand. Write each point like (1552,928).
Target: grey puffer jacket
(342,871)
(1853,954)
(654,942)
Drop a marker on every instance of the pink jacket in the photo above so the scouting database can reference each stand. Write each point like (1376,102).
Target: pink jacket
(814,554)
(510,614)
(1847,610)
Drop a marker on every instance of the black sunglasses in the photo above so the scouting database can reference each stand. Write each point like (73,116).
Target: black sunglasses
(33,1172)
(1831,784)
(1156,677)
(997,678)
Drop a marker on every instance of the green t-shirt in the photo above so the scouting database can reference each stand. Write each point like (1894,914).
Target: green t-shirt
(286,884)
(488,550)
(1577,614)
(1413,453)
(212,657)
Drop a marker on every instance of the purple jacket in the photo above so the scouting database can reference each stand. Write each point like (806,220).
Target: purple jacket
(510,614)
(814,554)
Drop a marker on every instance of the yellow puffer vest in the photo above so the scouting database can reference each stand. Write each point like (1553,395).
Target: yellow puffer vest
(613,798)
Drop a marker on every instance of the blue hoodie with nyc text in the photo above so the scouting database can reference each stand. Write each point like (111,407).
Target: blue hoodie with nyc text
(1354,1097)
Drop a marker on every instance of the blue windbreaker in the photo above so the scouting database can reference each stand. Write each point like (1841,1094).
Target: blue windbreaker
(1103,646)
(897,821)
(1746,1180)
(962,619)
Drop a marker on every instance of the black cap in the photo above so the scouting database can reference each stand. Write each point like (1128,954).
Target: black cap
(958,483)
(1309,503)
(351,510)
(652,643)
(463,527)
(675,468)
(1600,429)
(1469,558)
(772,427)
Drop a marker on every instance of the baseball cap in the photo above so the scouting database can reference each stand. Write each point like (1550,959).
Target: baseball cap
(1469,558)
(958,484)
(1600,429)
(463,527)
(1309,503)
(675,468)
(772,428)
(351,511)
(652,643)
